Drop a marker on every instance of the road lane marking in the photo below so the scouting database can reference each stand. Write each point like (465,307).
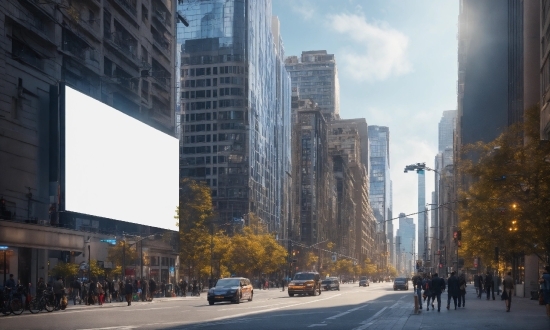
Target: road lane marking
(394,305)
(317,325)
(236,316)
(346,312)
(370,320)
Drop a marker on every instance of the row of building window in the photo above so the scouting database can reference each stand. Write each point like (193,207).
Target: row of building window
(197,72)
(213,82)
(222,115)
(204,171)
(233,91)
(207,59)
(206,105)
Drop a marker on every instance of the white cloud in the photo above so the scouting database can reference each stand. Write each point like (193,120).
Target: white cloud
(378,51)
(304,8)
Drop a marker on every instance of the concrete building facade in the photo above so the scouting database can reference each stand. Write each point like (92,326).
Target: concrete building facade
(118,52)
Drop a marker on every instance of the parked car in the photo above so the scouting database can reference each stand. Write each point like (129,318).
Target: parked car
(401,283)
(232,289)
(330,284)
(305,283)
(364,281)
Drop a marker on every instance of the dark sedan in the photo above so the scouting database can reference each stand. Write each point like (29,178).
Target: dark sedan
(330,284)
(401,283)
(232,289)
(364,281)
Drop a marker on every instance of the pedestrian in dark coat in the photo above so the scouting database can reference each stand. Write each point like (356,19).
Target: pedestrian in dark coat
(128,291)
(489,286)
(462,291)
(479,285)
(152,288)
(452,289)
(437,285)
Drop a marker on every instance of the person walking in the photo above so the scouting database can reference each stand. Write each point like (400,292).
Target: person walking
(100,293)
(152,288)
(489,286)
(508,287)
(283,284)
(476,283)
(128,292)
(92,292)
(417,285)
(479,285)
(58,288)
(77,288)
(184,288)
(437,285)
(462,291)
(545,285)
(427,292)
(452,289)
(144,290)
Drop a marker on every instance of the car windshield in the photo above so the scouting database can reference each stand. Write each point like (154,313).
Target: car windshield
(363,278)
(304,276)
(228,282)
(327,281)
(400,279)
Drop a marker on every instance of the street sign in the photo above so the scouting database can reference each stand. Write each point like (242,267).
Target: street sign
(108,241)
(334,257)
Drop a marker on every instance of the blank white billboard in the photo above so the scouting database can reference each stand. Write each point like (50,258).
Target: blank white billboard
(117,167)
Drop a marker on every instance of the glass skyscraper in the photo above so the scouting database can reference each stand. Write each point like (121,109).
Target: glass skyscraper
(379,141)
(235,108)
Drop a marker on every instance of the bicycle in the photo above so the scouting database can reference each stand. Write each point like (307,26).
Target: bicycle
(12,302)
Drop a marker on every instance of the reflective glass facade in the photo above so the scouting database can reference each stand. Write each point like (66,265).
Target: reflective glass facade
(235,102)
(379,139)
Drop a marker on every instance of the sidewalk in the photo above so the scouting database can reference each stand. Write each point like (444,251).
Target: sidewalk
(481,314)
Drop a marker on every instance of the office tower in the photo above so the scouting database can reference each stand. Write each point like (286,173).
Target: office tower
(446,129)
(391,237)
(489,97)
(379,191)
(312,174)
(422,224)
(407,242)
(118,52)
(315,75)
(348,142)
(235,109)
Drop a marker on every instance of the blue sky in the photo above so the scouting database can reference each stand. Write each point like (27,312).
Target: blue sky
(397,63)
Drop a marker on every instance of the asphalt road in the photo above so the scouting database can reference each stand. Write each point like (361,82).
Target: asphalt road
(374,307)
(350,308)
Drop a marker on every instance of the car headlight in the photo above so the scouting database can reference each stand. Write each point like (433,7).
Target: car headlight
(309,284)
(291,283)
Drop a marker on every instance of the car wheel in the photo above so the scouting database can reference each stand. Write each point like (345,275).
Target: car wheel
(210,302)
(291,294)
(251,295)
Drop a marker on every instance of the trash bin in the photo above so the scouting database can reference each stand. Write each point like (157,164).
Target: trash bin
(169,290)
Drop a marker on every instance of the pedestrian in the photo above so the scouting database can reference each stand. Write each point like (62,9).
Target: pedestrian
(152,288)
(476,283)
(163,289)
(462,291)
(100,293)
(76,287)
(120,291)
(58,288)
(545,286)
(92,292)
(479,284)
(128,291)
(417,286)
(144,290)
(184,288)
(507,288)
(427,292)
(437,285)
(283,284)
(489,286)
(10,283)
(452,289)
